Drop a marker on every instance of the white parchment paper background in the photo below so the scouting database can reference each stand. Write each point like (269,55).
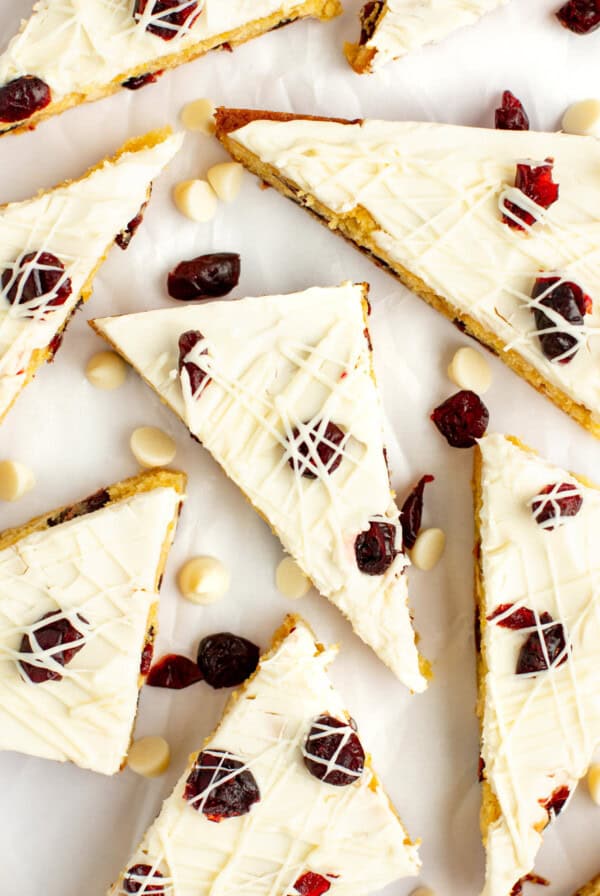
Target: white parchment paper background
(65,832)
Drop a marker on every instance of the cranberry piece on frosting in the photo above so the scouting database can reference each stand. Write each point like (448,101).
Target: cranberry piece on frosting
(412,512)
(580,16)
(142,879)
(520,618)
(22,98)
(312,884)
(227,660)
(90,504)
(333,753)
(556,801)
(124,238)
(167,17)
(316,448)
(536,656)
(555,503)
(53,638)
(511,116)
(220,786)
(461,419)
(188,341)
(534,180)
(375,548)
(138,81)
(174,672)
(37,279)
(204,277)
(569,301)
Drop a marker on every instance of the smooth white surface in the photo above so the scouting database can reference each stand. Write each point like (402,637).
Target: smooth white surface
(65,832)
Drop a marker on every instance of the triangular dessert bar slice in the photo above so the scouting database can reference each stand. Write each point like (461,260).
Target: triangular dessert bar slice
(498,230)
(78,607)
(282,798)
(392,28)
(51,247)
(537,574)
(281,391)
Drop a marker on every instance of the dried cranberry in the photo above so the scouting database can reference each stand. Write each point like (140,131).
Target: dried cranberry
(511,116)
(556,801)
(37,276)
(375,548)
(537,657)
(316,449)
(188,341)
(369,18)
(175,672)
(528,879)
(580,16)
(534,180)
(138,81)
(333,753)
(556,502)
(412,512)
(168,17)
(147,652)
(569,301)
(312,884)
(57,631)
(94,502)
(220,786)
(204,277)
(481,770)
(462,419)
(520,618)
(124,238)
(54,345)
(226,660)
(142,879)
(23,97)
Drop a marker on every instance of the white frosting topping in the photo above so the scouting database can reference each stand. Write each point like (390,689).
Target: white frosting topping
(350,834)
(539,730)
(76,223)
(98,571)
(407,25)
(433,190)
(82,45)
(280,363)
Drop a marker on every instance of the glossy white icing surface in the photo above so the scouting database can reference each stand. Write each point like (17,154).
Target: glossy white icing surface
(82,45)
(100,566)
(278,363)
(77,223)
(434,190)
(407,25)
(539,730)
(351,834)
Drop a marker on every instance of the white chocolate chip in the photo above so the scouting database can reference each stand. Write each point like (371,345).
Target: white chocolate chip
(106,370)
(196,199)
(423,891)
(149,756)
(152,447)
(583,118)
(428,548)
(470,370)
(593,780)
(199,116)
(290,579)
(15,480)
(226,179)
(203,580)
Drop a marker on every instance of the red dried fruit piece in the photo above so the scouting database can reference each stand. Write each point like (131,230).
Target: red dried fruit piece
(312,884)
(220,786)
(138,81)
(37,276)
(188,341)
(556,801)
(317,449)
(205,277)
(569,301)
(369,18)
(555,502)
(375,549)
(333,753)
(580,16)
(124,238)
(174,672)
(147,652)
(94,502)
(481,770)
(54,345)
(537,657)
(534,180)
(511,116)
(226,660)
(57,631)
(529,879)
(412,512)
(169,17)
(142,879)
(520,618)
(22,98)
(462,419)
